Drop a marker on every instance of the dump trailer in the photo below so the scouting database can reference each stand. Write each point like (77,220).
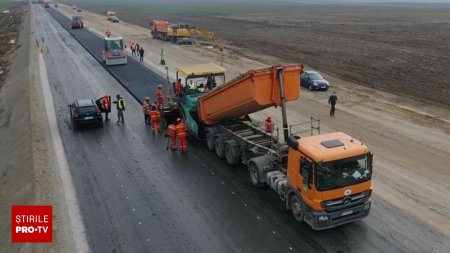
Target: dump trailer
(324,179)
(113,51)
(176,33)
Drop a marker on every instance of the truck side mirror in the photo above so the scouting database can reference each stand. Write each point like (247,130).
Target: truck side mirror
(70,106)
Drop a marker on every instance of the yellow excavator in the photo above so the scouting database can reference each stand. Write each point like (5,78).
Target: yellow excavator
(208,35)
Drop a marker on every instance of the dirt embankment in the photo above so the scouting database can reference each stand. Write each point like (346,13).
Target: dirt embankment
(26,167)
(383,47)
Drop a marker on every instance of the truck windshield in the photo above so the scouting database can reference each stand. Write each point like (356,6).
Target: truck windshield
(342,173)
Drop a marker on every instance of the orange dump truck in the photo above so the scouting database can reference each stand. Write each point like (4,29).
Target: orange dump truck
(110,14)
(324,179)
(176,33)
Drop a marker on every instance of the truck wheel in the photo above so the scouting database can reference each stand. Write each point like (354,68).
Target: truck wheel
(254,175)
(219,147)
(210,140)
(229,156)
(297,208)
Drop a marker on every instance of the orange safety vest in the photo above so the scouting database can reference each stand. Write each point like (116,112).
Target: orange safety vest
(159,93)
(180,129)
(105,103)
(146,107)
(154,114)
(269,126)
(171,130)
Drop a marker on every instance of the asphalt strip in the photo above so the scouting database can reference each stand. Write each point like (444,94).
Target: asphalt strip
(75,221)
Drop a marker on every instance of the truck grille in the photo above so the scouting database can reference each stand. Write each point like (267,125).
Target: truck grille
(346,202)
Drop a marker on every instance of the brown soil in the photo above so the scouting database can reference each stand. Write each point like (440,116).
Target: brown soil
(382,47)
(9,30)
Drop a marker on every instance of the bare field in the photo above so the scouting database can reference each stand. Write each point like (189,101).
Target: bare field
(403,50)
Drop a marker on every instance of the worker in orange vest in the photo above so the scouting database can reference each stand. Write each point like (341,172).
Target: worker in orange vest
(154,114)
(159,96)
(108,32)
(172,134)
(158,120)
(268,126)
(178,88)
(106,106)
(146,106)
(133,49)
(180,129)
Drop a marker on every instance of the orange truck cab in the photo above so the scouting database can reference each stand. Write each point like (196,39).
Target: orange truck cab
(328,179)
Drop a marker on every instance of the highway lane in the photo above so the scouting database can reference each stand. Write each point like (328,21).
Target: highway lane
(137,197)
(135,77)
(134,195)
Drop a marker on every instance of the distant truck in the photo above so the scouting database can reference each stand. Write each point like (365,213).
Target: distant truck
(324,179)
(176,33)
(114,51)
(110,14)
(77,22)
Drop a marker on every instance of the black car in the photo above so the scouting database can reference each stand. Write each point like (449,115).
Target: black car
(313,80)
(85,112)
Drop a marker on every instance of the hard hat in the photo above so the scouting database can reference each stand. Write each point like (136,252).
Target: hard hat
(147,98)
(178,119)
(269,117)
(160,86)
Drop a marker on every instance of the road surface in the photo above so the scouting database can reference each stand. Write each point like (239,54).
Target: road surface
(137,197)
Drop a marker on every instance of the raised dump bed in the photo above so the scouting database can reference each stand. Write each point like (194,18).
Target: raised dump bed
(248,93)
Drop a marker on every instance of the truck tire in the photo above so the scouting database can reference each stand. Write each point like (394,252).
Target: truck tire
(219,146)
(210,140)
(254,175)
(230,154)
(297,208)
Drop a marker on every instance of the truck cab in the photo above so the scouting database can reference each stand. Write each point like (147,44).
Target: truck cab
(113,51)
(329,179)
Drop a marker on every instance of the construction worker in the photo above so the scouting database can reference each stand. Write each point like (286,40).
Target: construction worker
(180,129)
(178,88)
(192,87)
(154,114)
(172,134)
(141,54)
(120,103)
(158,120)
(159,96)
(146,106)
(133,49)
(108,33)
(268,126)
(106,106)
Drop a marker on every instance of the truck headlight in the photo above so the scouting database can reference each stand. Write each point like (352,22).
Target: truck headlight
(323,218)
(315,84)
